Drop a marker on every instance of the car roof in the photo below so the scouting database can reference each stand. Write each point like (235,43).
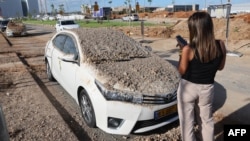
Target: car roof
(108,44)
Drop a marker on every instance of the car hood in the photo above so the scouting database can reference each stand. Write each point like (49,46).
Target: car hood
(151,75)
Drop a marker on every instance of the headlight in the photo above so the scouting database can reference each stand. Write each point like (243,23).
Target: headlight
(136,97)
(119,96)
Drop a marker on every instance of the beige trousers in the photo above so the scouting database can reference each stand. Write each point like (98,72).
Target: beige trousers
(195,107)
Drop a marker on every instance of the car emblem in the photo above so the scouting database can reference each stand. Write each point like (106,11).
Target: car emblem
(168,97)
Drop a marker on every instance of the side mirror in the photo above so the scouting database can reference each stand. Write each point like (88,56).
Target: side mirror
(4,134)
(70,58)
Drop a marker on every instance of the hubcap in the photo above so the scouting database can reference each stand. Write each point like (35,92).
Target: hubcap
(86,109)
(48,69)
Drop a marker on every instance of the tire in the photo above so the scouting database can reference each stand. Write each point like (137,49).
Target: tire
(87,109)
(49,73)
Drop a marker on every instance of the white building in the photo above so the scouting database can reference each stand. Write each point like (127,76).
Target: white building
(223,10)
(240,8)
(19,8)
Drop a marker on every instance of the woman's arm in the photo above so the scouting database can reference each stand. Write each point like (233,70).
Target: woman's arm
(185,56)
(224,53)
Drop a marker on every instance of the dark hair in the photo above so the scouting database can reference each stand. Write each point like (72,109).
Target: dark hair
(201,35)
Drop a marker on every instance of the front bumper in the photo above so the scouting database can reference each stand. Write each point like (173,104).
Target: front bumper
(136,118)
(10,33)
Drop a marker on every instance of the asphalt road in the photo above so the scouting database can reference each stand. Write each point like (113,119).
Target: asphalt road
(232,84)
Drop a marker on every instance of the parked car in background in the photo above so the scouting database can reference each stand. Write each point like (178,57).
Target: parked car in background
(131,17)
(3,24)
(16,28)
(66,24)
(120,85)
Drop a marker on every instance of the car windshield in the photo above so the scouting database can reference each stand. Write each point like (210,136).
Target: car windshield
(5,22)
(109,45)
(67,22)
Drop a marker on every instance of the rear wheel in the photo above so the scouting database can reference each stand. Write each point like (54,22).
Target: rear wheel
(49,73)
(87,109)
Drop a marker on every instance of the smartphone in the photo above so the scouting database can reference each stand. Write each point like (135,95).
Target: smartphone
(181,40)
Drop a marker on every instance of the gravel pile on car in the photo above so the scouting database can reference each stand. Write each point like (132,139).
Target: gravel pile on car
(119,59)
(16,26)
(101,44)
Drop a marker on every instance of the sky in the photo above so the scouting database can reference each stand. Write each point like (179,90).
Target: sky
(74,5)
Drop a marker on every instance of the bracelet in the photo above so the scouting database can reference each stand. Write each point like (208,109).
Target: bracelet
(180,52)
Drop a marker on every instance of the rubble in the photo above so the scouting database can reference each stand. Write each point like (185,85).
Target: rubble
(123,63)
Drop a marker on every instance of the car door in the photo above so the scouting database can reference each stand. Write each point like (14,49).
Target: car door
(69,64)
(57,53)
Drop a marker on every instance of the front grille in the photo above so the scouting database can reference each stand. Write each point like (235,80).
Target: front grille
(159,99)
(147,123)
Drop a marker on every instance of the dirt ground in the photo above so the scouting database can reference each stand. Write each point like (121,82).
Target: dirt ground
(238,28)
(36,109)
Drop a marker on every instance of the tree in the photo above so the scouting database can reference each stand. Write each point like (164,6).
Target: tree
(110,2)
(52,9)
(85,9)
(61,9)
(149,1)
(127,3)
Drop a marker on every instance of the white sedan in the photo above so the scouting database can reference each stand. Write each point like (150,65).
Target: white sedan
(120,85)
(131,17)
(66,24)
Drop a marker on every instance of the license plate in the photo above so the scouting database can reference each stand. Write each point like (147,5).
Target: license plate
(165,112)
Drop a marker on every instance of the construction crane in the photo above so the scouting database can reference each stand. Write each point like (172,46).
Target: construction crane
(173,2)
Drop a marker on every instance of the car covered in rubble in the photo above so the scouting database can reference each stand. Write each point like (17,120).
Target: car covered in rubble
(3,24)
(121,86)
(16,28)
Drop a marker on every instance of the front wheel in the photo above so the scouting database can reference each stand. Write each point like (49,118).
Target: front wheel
(49,73)
(87,109)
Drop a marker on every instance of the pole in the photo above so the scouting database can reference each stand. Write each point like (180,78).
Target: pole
(205,4)
(228,13)
(46,7)
(142,29)
(229,53)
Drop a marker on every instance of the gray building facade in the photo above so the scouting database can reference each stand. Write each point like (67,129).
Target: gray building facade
(177,8)
(18,8)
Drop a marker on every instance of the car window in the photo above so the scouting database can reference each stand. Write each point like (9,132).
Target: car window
(67,22)
(59,41)
(69,46)
(5,22)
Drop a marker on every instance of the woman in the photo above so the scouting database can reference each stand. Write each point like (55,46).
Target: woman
(198,64)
